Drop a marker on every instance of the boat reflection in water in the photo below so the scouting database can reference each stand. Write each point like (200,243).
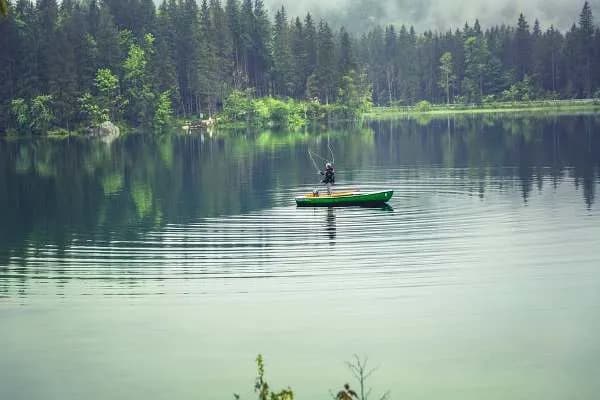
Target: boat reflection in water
(330,227)
(331,218)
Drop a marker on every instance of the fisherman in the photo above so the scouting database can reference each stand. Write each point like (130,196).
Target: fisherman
(329,175)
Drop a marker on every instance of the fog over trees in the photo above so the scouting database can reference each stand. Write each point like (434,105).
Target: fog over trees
(441,15)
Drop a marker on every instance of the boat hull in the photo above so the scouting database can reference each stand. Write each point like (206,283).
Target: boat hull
(345,199)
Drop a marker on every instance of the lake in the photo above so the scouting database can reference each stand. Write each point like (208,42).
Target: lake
(159,267)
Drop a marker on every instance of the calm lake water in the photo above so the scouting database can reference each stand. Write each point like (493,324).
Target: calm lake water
(158,268)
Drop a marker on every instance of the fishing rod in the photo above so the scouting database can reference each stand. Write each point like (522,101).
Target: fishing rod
(313,161)
(312,156)
(330,150)
(332,160)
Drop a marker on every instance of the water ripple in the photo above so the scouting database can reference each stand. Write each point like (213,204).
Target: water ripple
(434,231)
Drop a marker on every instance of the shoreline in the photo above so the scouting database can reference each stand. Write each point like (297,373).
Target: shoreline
(434,110)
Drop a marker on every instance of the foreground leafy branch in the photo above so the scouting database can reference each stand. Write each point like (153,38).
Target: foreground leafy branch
(358,367)
(261,387)
(361,372)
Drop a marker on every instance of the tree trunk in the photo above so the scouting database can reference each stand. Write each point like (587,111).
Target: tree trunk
(447,88)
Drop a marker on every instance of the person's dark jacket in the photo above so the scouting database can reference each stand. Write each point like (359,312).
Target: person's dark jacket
(329,176)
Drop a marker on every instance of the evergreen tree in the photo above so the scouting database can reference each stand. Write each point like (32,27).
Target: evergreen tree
(299,59)
(391,61)
(346,61)
(10,41)
(223,45)
(447,72)
(522,49)
(477,58)
(107,41)
(282,56)
(164,71)
(323,80)
(585,50)
(310,46)
(572,67)
(232,11)
(70,41)
(188,54)
(207,62)
(537,52)
(261,34)
(146,17)
(49,55)
(247,56)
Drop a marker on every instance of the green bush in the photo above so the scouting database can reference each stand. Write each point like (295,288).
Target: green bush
(35,116)
(241,107)
(267,111)
(163,113)
(60,132)
(238,107)
(423,106)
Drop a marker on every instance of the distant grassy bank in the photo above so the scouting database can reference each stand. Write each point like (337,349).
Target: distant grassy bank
(425,108)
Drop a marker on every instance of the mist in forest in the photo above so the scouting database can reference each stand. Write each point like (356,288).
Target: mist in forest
(441,15)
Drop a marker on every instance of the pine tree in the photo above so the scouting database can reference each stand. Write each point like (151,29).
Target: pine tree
(408,69)
(596,64)
(147,17)
(299,58)
(232,11)
(447,74)
(70,40)
(247,57)
(537,51)
(10,42)
(371,54)
(346,61)
(207,61)
(477,59)
(163,67)
(572,66)
(107,40)
(522,49)
(49,55)
(282,56)
(261,36)
(223,44)
(553,44)
(585,50)
(310,46)
(187,58)
(323,80)
(390,61)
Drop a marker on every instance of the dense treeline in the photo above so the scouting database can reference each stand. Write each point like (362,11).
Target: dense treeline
(82,62)
(472,65)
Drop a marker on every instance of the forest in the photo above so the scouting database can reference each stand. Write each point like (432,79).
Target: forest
(77,63)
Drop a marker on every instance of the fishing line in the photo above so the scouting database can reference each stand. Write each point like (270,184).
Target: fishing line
(319,157)
(312,156)
(331,152)
(313,161)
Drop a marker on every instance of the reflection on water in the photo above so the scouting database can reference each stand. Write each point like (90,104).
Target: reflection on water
(73,208)
(330,227)
(493,227)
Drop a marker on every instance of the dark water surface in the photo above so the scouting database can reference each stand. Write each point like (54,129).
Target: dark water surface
(157,268)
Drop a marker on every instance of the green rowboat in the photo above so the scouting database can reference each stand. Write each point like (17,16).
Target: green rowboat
(343,199)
